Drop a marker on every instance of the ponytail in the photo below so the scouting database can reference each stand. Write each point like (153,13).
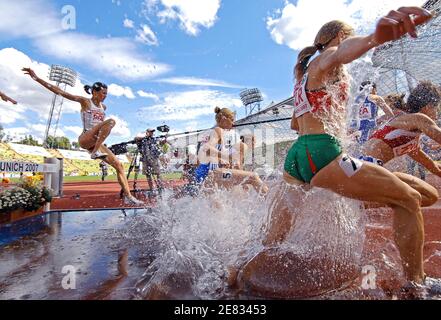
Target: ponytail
(302,61)
(88,89)
(225,112)
(327,33)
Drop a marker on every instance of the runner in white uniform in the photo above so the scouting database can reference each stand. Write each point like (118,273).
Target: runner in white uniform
(209,161)
(95,128)
(93,117)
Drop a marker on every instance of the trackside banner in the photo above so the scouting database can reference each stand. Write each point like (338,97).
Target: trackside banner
(8,166)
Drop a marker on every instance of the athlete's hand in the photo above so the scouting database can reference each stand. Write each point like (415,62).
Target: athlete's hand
(400,22)
(434,146)
(223,161)
(30,72)
(437,170)
(7,99)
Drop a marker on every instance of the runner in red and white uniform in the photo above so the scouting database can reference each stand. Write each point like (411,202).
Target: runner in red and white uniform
(401,135)
(95,128)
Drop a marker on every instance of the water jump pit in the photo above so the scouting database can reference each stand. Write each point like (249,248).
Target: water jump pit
(163,254)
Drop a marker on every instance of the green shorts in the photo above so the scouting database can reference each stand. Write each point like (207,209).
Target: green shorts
(310,154)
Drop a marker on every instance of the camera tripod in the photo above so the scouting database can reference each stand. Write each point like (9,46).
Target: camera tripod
(135,167)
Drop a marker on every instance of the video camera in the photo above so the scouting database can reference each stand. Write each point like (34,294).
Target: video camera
(163,129)
(121,148)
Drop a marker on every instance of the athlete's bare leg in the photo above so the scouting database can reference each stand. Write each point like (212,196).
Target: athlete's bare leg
(95,137)
(228,178)
(373,183)
(112,160)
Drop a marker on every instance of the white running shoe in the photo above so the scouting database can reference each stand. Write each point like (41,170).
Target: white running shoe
(433,285)
(132,201)
(430,287)
(98,155)
(413,291)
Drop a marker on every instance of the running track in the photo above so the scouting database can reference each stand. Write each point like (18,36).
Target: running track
(99,195)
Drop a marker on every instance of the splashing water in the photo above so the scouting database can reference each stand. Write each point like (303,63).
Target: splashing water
(328,223)
(198,240)
(321,253)
(200,237)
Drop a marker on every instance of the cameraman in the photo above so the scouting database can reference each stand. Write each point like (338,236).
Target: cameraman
(150,153)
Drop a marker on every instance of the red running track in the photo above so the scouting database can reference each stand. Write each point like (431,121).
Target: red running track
(100,195)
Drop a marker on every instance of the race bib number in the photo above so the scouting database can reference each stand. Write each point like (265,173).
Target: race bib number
(407,148)
(227,175)
(301,103)
(365,113)
(97,116)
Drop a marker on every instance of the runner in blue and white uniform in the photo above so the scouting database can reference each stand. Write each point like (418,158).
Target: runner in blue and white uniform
(367,105)
(216,155)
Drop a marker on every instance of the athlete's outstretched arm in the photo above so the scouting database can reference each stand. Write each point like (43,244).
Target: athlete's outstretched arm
(426,125)
(381,103)
(52,88)
(209,148)
(391,27)
(349,50)
(421,157)
(4,97)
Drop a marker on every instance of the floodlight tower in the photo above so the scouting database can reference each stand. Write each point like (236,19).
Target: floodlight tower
(251,99)
(63,77)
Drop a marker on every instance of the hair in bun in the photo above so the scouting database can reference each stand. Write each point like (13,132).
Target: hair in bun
(224,113)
